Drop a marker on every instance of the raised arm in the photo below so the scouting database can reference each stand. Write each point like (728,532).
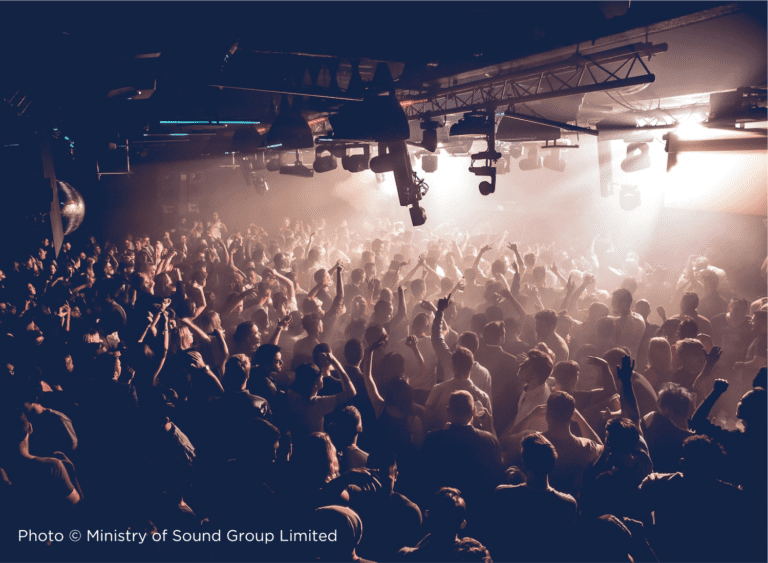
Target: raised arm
(347,387)
(702,413)
(442,351)
(480,253)
(402,308)
(629,407)
(513,247)
(282,325)
(370,385)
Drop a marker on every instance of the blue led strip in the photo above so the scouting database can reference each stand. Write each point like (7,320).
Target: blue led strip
(210,122)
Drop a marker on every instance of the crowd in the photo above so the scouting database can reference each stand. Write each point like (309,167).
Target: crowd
(422,397)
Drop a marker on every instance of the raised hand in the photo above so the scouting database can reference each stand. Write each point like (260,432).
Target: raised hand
(442,303)
(662,313)
(589,279)
(486,248)
(285,322)
(379,343)
(198,360)
(512,246)
(411,342)
(553,267)
(714,355)
(570,285)
(720,386)
(624,371)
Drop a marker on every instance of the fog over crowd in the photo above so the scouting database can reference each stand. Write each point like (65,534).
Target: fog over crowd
(442,393)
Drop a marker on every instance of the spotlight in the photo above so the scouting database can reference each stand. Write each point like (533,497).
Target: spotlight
(290,130)
(376,118)
(533,161)
(502,166)
(429,137)
(429,163)
(393,157)
(380,178)
(260,185)
(638,157)
(516,151)
(554,162)
(473,123)
(487,188)
(629,198)
(357,162)
(246,140)
(418,215)
(324,163)
(297,169)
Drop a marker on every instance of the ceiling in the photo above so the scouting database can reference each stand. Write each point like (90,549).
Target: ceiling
(78,67)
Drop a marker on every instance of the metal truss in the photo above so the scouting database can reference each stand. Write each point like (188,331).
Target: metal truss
(578,74)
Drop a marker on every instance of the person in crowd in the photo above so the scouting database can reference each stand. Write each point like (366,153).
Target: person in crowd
(444,520)
(533,520)
(198,368)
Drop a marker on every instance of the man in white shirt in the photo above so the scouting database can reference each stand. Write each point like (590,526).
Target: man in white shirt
(437,402)
(533,372)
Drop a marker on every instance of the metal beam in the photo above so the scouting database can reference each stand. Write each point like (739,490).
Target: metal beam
(577,74)
(542,121)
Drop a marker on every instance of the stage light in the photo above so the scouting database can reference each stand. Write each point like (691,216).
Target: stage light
(324,163)
(357,162)
(394,157)
(429,137)
(502,166)
(554,162)
(297,169)
(376,118)
(533,161)
(260,185)
(516,151)
(429,163)
(380,178)
(629,198)
(638,157)
(246,140)
(473,124)
(290,130)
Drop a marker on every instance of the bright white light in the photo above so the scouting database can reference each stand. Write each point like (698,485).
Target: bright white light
(691,131)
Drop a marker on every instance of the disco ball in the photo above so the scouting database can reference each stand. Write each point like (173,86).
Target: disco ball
(72,207)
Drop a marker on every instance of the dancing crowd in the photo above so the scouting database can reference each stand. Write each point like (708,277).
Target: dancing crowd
(413,395)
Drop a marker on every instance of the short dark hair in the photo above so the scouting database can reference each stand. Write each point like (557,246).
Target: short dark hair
(538,454)
(690,300)
(622,435)
(675,399)
(560,407)
(566,373)
(469,340)
(306,377)
(462,360)
(311,323)
(622,296)
(447,509)
(688,328)
(493,332)
(547,319)
(353,351)
(344,425)
(318,351)
(236,372)
(542,364)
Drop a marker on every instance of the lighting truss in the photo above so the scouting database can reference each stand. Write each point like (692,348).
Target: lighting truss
(578,74)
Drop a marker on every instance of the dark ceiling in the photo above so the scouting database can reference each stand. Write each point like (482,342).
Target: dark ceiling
(67,57)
